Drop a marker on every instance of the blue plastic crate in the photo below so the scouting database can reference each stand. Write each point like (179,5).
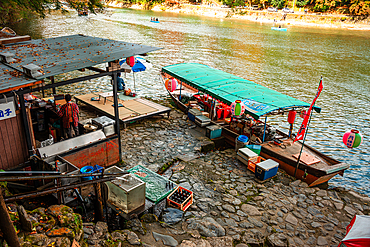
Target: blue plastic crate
(191,117)
(213,131)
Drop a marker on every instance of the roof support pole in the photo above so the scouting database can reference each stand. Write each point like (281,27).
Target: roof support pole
(116,114)
(180,91)
(264,130)
(26,125)
(52,82)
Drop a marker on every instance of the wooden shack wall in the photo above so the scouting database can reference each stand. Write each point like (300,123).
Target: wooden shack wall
(103,154)
(13,147)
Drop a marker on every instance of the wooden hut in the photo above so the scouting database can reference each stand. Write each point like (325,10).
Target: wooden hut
(26,63)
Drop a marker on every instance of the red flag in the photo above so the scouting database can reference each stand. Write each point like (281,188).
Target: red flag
(304,124)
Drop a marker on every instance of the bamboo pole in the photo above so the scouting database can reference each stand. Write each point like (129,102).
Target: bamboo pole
(99,214)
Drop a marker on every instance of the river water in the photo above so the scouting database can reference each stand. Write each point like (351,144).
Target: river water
(289,62)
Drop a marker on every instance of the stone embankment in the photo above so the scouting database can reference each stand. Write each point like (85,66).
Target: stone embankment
(229,204)
(230,207)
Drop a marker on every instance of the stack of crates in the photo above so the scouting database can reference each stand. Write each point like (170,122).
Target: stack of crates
(249,158)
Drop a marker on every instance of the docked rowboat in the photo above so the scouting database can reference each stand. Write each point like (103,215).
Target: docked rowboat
(314,167)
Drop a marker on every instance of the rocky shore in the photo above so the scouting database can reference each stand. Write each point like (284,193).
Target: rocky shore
(299,18)
(231,208)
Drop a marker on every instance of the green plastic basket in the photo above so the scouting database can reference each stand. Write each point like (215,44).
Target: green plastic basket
(254,148)
(157,187)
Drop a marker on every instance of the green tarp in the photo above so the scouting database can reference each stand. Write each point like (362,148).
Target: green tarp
(259,100)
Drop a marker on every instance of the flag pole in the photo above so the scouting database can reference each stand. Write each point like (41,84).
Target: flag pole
(299,157)
(306,127)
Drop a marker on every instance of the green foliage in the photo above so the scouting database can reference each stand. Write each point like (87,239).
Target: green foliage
(302,3)
(320,6)
(360,8)
(234,3)
(15,10)
(278,3)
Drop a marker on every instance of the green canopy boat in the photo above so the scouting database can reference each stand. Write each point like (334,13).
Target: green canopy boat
(314,167)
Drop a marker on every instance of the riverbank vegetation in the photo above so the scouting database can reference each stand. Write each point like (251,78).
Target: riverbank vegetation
(12,11)
(359,8)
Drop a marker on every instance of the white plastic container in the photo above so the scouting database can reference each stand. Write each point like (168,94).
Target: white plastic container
(126,192)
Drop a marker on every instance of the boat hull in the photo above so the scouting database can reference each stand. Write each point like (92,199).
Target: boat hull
(310,179)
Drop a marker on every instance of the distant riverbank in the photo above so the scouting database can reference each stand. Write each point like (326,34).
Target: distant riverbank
(299,18)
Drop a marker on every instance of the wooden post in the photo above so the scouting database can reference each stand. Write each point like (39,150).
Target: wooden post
(99,214)
(116,115)
(52,82)
(6,224)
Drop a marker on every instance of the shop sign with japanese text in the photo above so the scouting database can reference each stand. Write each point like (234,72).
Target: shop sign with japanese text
(7,110)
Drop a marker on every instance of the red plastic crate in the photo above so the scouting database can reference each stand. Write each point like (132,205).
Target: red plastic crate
(253,161)
(185,203)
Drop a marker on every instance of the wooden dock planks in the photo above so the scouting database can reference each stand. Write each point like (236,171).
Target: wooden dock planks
(132,109)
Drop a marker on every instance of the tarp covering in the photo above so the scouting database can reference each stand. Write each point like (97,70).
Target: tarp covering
(259,100)
(358,232)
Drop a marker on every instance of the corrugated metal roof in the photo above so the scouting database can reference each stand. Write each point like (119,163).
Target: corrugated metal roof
(64,54)
(13,79)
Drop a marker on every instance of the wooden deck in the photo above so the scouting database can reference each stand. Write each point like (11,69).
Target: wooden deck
(133,109)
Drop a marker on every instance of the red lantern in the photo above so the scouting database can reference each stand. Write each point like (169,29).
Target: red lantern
(291,116)
(130,61)
(171,84)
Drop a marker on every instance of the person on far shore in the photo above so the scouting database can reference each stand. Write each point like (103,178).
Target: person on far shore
(69,114)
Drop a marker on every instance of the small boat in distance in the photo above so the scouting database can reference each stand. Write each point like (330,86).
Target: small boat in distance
(279,28)
(155,20)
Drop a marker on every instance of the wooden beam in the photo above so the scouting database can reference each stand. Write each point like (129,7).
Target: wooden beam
(15,39)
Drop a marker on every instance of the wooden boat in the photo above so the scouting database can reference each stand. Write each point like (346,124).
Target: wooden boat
(314,167)
(279,28)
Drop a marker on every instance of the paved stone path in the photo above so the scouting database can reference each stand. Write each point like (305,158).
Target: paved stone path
(230,204)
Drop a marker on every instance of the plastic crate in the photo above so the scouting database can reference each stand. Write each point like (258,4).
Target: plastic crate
(157,186)
(252,162)
(213,131)
(254,148)
(180,198)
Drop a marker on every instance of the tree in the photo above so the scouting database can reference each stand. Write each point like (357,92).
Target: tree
(361,8)
(302,3)
(14,10)
(278,3)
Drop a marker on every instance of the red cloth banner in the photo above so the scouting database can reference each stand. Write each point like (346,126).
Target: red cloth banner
(302,129)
